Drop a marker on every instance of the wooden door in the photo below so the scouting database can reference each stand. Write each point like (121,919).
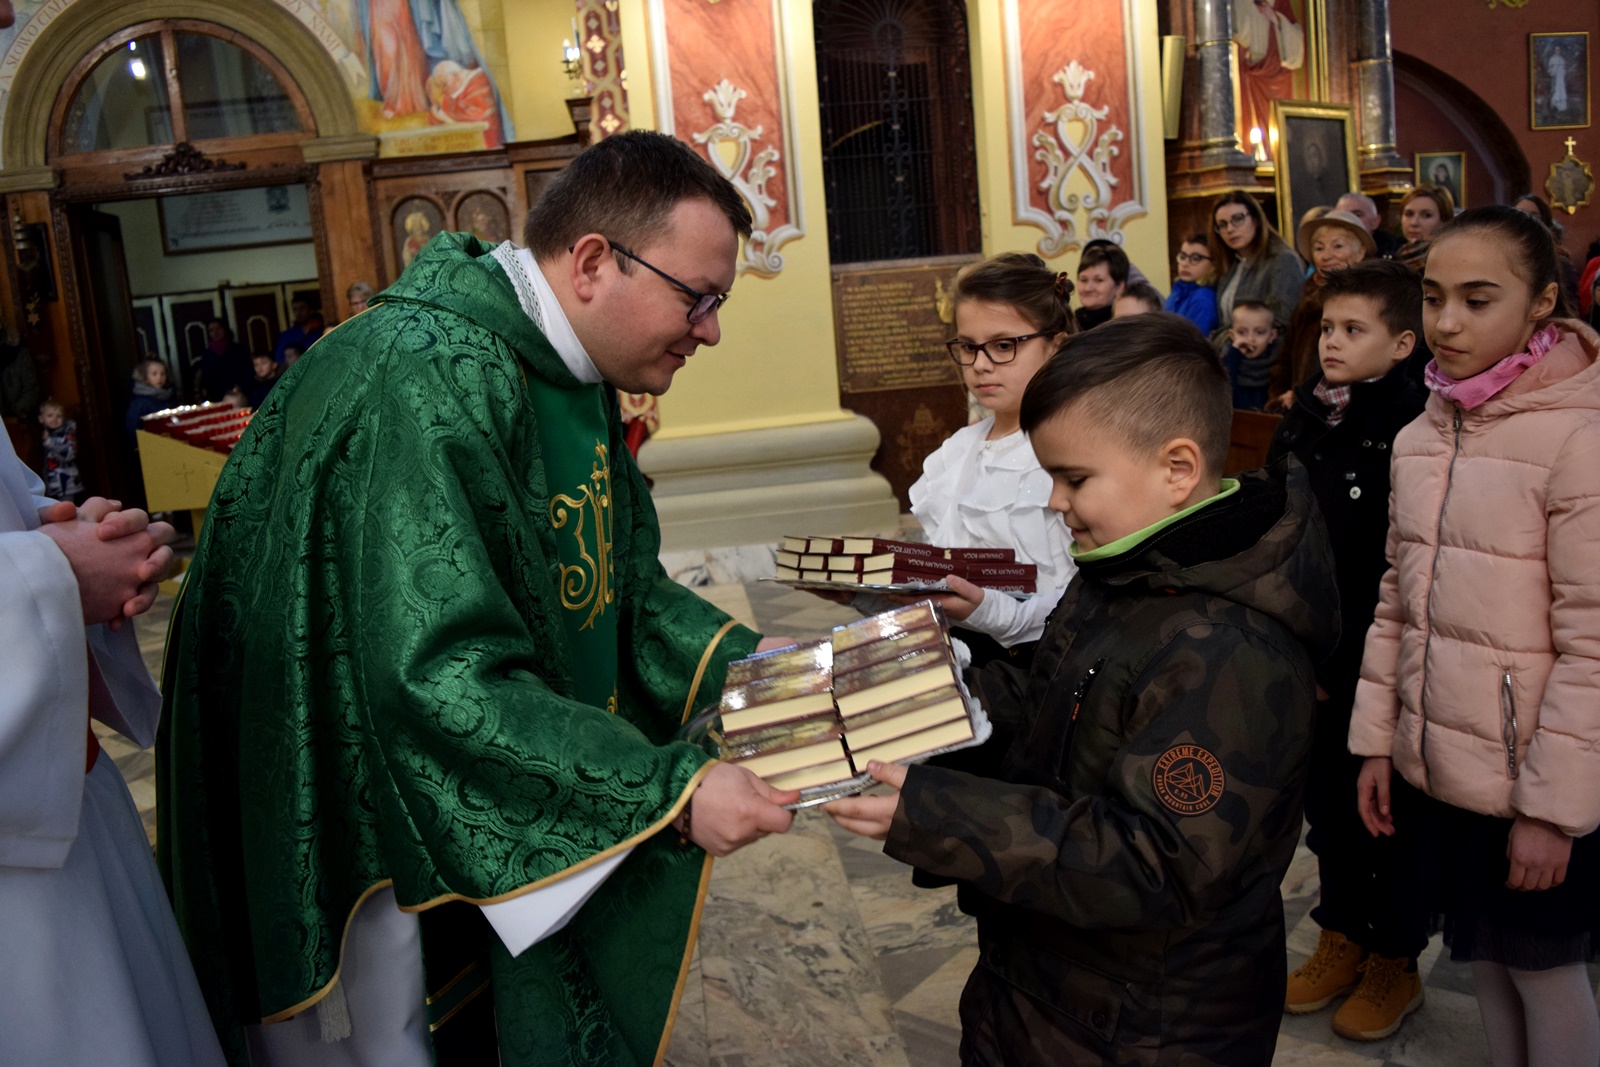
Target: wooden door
(105,451)
(257,312)
(186,316)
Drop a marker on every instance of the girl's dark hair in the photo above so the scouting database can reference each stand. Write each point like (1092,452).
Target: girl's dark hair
(1532,247)
(1023,281)
(1223,257)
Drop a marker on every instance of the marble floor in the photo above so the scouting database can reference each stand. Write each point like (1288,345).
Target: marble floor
(815,950)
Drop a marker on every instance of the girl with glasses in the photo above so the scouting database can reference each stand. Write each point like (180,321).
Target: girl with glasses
(983,488)
(1193,294)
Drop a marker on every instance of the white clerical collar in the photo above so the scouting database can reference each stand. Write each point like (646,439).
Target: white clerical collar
(539,303)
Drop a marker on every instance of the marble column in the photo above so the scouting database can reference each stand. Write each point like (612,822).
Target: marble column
(1216,55)
(1374,65)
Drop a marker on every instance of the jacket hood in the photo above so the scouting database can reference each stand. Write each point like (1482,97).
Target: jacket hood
(456,272)
(1567,377)
(1264,547)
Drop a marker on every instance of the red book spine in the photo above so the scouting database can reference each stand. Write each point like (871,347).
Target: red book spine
(982,555)
(979,572)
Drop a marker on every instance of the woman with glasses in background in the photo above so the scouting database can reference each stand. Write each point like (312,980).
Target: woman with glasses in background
(1254,265)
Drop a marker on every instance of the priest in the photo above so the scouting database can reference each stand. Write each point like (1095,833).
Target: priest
(421,798)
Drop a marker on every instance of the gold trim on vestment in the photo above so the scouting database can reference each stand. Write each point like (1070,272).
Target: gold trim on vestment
(488,980)
(309,1002)
(705,661)
(688,958)
(468,969)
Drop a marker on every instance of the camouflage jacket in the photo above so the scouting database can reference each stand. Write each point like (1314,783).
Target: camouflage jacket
(1124,851)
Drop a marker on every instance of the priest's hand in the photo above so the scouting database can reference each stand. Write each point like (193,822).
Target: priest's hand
(118,556)
(870,815)
(732,808)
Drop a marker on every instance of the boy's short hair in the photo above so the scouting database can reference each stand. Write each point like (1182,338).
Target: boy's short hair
(1392,287)
(1143,292)
(1256,305)
(52,404)
(1148,378)
(1115,259)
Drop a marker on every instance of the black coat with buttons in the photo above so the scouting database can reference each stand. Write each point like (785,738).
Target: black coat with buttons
(1349,468)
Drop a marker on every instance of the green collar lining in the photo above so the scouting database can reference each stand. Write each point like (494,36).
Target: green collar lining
(1229,486)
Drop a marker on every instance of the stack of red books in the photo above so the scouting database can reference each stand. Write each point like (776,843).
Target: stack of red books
(878,561)
(217,427)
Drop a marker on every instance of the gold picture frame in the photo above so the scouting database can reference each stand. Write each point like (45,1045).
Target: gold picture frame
(1316,153)
(1570,183)
(1452,176)
(1554,61)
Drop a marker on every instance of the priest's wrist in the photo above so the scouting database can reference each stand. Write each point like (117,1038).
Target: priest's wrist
(682,822)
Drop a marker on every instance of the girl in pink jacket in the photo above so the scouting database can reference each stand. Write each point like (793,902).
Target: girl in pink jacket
(1480,682)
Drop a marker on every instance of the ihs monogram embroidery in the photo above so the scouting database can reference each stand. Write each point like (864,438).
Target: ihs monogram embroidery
(587,586)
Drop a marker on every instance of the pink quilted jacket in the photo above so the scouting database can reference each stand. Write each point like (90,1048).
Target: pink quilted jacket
(1481,676)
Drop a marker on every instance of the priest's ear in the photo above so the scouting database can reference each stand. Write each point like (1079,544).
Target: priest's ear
(592,261)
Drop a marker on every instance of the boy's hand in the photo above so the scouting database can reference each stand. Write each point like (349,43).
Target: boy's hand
(1372,796)
(870,816)
(1538,853)
(733,808)
(117,556)
(962,600)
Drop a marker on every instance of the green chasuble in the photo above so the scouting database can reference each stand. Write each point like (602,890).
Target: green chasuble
(426,641)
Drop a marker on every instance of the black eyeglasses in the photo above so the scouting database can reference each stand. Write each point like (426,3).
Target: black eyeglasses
(1192,257)
(1234,220)
(1000,350)
(704,303)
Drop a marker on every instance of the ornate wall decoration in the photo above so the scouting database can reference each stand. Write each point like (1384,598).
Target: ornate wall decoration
(750,171)
(1077,162)
(722,82)
(1571,182)
(605,77)
(1092,156)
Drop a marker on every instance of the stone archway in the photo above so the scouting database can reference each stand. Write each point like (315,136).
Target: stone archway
(82,26)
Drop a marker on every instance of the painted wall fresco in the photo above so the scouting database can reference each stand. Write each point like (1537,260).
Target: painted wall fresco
(414,70)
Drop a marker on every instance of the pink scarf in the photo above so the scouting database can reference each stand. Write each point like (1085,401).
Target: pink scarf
(1487,384)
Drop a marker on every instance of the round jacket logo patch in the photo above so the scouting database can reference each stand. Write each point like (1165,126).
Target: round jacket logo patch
(1188,780)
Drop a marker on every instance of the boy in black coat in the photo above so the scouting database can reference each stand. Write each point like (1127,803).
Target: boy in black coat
(1122,837)
(1342,426)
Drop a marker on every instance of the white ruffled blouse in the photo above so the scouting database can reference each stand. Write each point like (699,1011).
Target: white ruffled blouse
(977,493)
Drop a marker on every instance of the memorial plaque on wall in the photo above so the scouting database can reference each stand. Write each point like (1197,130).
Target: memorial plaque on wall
(892,320)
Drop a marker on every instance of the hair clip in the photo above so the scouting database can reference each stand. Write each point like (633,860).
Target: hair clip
(1064,286)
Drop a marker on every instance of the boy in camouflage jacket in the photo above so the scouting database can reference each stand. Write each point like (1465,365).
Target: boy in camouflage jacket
(1123,837)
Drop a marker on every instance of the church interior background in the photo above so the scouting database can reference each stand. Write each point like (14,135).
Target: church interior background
(164,162)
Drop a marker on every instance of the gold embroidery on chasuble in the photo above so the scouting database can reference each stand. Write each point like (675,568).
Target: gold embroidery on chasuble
(611,702)
(588,584)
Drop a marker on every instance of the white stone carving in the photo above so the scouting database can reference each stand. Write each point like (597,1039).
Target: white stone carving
(1071,218)
(1091,156)
(750,171)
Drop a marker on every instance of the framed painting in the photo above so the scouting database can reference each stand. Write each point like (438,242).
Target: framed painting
(234,218)
(1558,80)
(414,223)
(484,215)
(1446,170)
(1282,54)
(1316,151)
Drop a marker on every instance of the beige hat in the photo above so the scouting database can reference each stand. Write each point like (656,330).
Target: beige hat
(1334,218)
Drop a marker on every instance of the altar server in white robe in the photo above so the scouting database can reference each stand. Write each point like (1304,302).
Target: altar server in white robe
(92,968)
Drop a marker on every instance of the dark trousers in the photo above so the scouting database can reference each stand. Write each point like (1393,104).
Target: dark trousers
(1369,893)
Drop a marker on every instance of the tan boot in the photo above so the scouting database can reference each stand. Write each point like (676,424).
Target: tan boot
(1387,994)
(1332,971)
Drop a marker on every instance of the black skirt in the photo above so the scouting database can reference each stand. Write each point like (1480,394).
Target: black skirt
(1464,858)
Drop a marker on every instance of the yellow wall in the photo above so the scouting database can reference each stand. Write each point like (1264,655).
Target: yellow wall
(534,30)
(776,364)
(1145,238)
